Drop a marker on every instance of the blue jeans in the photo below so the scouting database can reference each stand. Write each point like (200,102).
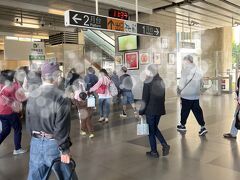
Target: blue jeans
(104,107)
(8,122)
(153,121)
(42,153)
(127,98)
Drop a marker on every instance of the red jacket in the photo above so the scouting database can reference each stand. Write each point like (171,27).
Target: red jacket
(8,95)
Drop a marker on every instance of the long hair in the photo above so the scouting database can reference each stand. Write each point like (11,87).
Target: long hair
(104,71)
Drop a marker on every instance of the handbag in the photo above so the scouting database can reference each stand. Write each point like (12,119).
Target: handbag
(91,101)
(113,89)
(179,91)
(102,89)
(142,128)
(71,168)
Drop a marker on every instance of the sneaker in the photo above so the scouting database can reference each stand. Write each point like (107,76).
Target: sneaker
(83,133)
(203,131)
(152,154)
(136,114)
(123,115)
(20,151)
(91,136)
(106,120)
(101,119)
(181,128)
(165,150)
(229,136)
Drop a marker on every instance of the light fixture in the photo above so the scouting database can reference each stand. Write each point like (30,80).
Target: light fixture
(11,38)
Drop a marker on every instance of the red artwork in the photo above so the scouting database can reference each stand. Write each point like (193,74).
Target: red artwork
(131,60)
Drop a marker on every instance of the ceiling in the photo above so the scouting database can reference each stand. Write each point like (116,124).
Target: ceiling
(206,14)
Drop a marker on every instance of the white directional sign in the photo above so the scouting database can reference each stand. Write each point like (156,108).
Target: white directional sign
(130,27)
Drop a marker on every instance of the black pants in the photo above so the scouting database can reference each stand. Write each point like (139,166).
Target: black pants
(154,132)
(8,122)
(187,106)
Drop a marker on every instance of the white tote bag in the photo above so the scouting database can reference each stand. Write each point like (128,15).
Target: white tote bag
(91,101)
(142,128)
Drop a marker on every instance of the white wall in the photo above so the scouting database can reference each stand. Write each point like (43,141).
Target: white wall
(19,50)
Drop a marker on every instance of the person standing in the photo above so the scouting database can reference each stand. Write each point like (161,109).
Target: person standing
(115,79)
(90,79)
(104,96)
(153,107)
(234,131)
(11,97)
(190,90)
(48,122)
(126,86)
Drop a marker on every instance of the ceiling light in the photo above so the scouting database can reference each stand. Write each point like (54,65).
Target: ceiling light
(11,38)
(26,25)
(25,39)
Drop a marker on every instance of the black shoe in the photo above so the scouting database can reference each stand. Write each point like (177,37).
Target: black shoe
(181,128)
(165,150)
(203,131)
(152,154)
(229,136)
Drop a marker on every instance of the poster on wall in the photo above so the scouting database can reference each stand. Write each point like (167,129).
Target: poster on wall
(119,60)
(157,58)
(131,60)
(144,58)
(171,59)
(164,43)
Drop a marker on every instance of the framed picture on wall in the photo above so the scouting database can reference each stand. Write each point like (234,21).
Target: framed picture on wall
(157,58)
(164,43)
(119,60)
(145,58)
(131,60)
(171,59)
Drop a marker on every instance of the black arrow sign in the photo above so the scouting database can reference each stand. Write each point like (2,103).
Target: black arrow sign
(149,30)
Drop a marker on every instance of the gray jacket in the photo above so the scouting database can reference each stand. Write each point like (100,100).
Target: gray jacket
(192,90)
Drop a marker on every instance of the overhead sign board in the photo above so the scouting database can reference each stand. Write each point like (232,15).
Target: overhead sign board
(130,27)
(115,24)
(92,21)
(118,14)
(149,30)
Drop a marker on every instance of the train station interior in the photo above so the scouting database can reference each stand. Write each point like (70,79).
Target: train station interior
(110,34)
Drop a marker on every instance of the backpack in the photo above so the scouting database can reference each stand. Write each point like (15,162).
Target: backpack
(113,89)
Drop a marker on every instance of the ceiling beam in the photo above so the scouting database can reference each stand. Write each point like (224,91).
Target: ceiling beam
(174,5)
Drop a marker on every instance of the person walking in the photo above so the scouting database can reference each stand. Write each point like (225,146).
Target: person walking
(153,107)
(126,86)
(234,131)
(11,97)
(90,79)
(48,123)
(190,90)
(104,96)
(115,79)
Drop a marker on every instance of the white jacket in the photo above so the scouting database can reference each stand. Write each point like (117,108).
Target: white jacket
(192,90)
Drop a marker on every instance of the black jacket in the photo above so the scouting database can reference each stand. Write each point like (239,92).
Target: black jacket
(153,97)
(49,111)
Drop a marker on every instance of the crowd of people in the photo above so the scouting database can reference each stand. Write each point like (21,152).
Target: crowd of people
(44,98)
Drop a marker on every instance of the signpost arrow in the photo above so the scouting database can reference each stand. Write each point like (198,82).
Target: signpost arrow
(76,19)
(111,23)
(156,32)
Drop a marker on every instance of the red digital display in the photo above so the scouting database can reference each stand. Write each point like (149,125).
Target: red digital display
(118,14)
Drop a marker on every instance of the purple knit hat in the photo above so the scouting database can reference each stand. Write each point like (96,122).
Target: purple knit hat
(49,68)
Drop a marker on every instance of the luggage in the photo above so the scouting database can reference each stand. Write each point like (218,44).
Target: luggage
(142,128)
(72,167)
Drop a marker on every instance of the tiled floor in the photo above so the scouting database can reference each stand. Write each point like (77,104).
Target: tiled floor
(117,153)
